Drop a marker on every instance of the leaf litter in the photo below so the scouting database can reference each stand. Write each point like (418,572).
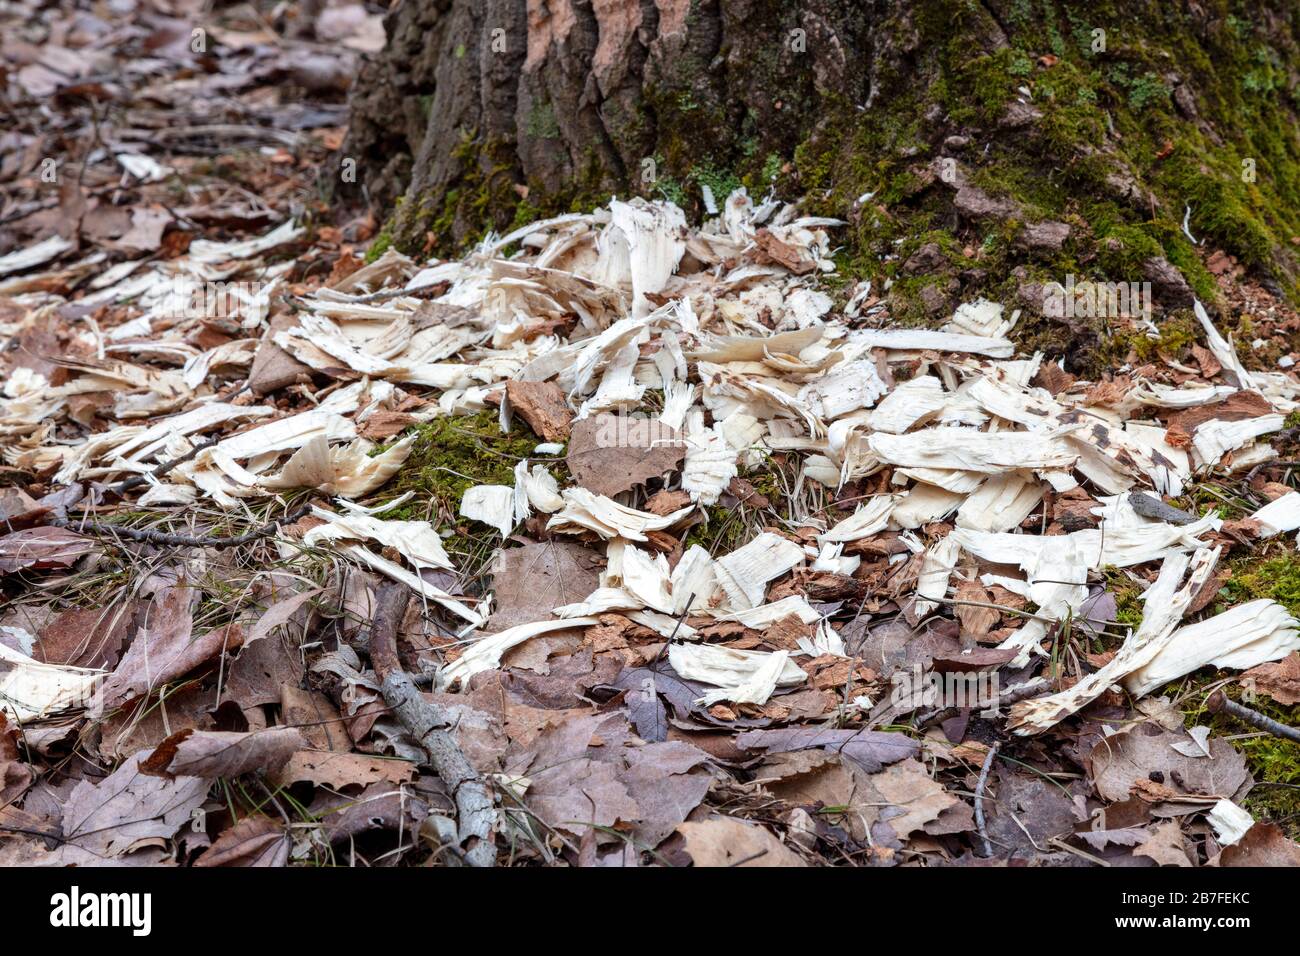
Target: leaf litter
(737,606)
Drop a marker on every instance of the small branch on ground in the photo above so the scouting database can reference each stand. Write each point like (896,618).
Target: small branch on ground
(1012,695)
(427,722)
(1221,703)
(979,798)
(150,536)
(134,481)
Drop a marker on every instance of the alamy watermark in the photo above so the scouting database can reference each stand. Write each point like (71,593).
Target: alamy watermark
(188,298)
(133,911)
(634,431)
(922,687)
(1096,300)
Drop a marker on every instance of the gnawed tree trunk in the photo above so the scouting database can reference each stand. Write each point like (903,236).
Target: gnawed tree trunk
(975,148)
(569,102)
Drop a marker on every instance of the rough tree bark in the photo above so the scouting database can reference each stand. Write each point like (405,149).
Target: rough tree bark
(576,100)
(974,147)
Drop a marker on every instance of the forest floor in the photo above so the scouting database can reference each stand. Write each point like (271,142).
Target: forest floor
(698,558)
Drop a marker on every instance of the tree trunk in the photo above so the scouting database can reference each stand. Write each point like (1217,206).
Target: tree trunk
(975,148)
(559,105)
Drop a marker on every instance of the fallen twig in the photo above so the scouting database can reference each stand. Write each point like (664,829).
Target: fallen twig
(1221,703)
(427,722)
(132,481)
(1283,436)
(1012,695)
(150,536)
(979,798)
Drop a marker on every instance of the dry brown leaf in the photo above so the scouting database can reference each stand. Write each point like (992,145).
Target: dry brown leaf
(1164,843)
(213,754)
(130,729)
(1145,755)
(254,841)
(1236,407)
(906,798)
(40,548)
(1209,365)
(383,425)
(609,454)
(666,781)
(869,749)
(262,670)
(724,842)
(1027,812)
(86,637)
(771,249)
(666,502)
(975,620)
(108,819)
(341,769)
(529,582)
(19,510)
(1279,680)
(316,717)
(274,368)
(380,806)
(166,648)
(1263,845)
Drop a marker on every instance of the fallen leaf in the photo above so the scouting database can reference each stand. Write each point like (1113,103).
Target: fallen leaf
(86,637)
(383,425)
(380,806)
(529,582)
(869,749)
(1263,845)
(261,671)
(166,648)
(1027,812)
(212,754)
(569,787)
(255,841)
(771,249)
(41,548)
(975,620)
(721,841)
(128,809)
(1146,754)
(340,769)
(1279,680)
(1165,845)
(609,454)
(125,731)
(315,716)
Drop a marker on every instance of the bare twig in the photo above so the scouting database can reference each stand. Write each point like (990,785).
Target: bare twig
(1221,703)
(132,481)
(1282,436)
(150,536)
(671,637)
(1012,695)
(979,797)
(428,723)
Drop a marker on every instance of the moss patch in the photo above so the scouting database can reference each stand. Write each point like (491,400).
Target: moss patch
(1128,607)
(451,455)
(1275,578)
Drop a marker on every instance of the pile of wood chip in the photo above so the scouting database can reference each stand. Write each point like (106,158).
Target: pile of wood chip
(761,547)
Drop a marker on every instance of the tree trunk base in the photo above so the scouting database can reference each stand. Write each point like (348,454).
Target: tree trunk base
(976,149)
